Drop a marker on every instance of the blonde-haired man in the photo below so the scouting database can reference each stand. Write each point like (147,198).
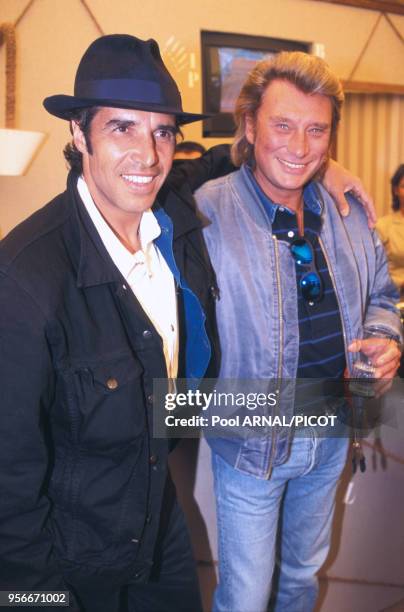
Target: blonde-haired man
(296,283)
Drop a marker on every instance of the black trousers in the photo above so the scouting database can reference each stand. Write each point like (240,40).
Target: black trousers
(173,583)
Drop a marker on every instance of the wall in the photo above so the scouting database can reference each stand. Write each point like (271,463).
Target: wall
(54,34)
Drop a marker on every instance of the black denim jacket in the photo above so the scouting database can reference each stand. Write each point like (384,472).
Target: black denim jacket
(79,496)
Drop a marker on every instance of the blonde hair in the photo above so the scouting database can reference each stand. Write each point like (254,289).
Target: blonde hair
(308,73)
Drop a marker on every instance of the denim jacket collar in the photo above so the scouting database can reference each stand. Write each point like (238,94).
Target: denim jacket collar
(311,194)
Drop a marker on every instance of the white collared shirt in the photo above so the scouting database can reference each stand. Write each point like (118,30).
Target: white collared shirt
(146,272)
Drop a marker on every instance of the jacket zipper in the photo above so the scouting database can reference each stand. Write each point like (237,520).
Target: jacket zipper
(354,434)
(279,374)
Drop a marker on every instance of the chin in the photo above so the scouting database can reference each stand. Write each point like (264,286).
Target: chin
(294,185)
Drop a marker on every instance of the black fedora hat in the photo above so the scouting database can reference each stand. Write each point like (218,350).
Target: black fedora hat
(122,71)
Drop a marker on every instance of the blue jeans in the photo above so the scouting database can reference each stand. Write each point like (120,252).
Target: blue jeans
(301,493)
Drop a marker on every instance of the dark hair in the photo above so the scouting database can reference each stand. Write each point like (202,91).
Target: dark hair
(189,146)
(395,181)
(83,117)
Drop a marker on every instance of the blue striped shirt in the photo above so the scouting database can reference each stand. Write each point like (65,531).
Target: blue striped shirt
(321,343)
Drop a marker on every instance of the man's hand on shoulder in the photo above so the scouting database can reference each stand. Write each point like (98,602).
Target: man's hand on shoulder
(338,181)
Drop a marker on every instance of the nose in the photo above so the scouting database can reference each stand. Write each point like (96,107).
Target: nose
(298,143)
(144,150)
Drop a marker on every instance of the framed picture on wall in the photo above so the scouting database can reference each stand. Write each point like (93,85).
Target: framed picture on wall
(226,60)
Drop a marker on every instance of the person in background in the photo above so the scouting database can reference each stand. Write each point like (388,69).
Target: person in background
(188,149)
(391,230)
(296,284)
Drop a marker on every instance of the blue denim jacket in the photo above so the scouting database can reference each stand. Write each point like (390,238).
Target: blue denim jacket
(257,312)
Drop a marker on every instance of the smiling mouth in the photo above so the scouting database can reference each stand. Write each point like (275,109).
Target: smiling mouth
(291,165)
(137,179)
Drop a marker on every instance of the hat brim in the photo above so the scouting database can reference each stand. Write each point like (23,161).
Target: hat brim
(62,106)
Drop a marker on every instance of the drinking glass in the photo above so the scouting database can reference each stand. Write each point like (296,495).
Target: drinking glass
(363,371)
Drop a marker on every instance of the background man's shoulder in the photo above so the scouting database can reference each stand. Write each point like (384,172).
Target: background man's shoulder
(357,212)
(216,187)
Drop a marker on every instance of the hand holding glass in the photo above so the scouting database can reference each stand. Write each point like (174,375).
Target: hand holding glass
(364,371)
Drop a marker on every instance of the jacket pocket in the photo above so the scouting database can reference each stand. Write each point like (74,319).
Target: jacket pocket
(104,468)
(106,402)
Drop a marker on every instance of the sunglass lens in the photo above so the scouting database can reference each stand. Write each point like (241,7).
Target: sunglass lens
(302,252)
(311,286)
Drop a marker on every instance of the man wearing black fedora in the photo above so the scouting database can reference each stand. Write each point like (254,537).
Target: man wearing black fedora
(102,291)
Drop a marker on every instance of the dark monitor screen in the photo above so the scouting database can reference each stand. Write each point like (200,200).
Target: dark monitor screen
(232,67)
(226,61)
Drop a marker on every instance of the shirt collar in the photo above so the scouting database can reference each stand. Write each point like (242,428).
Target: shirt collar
(311,195)
(125,261)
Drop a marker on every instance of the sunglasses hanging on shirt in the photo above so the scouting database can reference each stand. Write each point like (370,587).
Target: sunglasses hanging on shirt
(310,282)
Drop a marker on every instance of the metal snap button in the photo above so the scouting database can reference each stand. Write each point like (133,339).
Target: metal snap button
(112,384)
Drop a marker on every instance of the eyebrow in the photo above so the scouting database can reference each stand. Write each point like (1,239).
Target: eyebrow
(169,127)
(130,122)
(119,122)
(319,124)
(279,118)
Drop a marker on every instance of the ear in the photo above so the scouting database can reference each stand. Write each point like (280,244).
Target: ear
(250,129)
(78,137)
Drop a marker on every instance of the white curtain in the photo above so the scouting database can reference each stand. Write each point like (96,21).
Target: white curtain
(371,141)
